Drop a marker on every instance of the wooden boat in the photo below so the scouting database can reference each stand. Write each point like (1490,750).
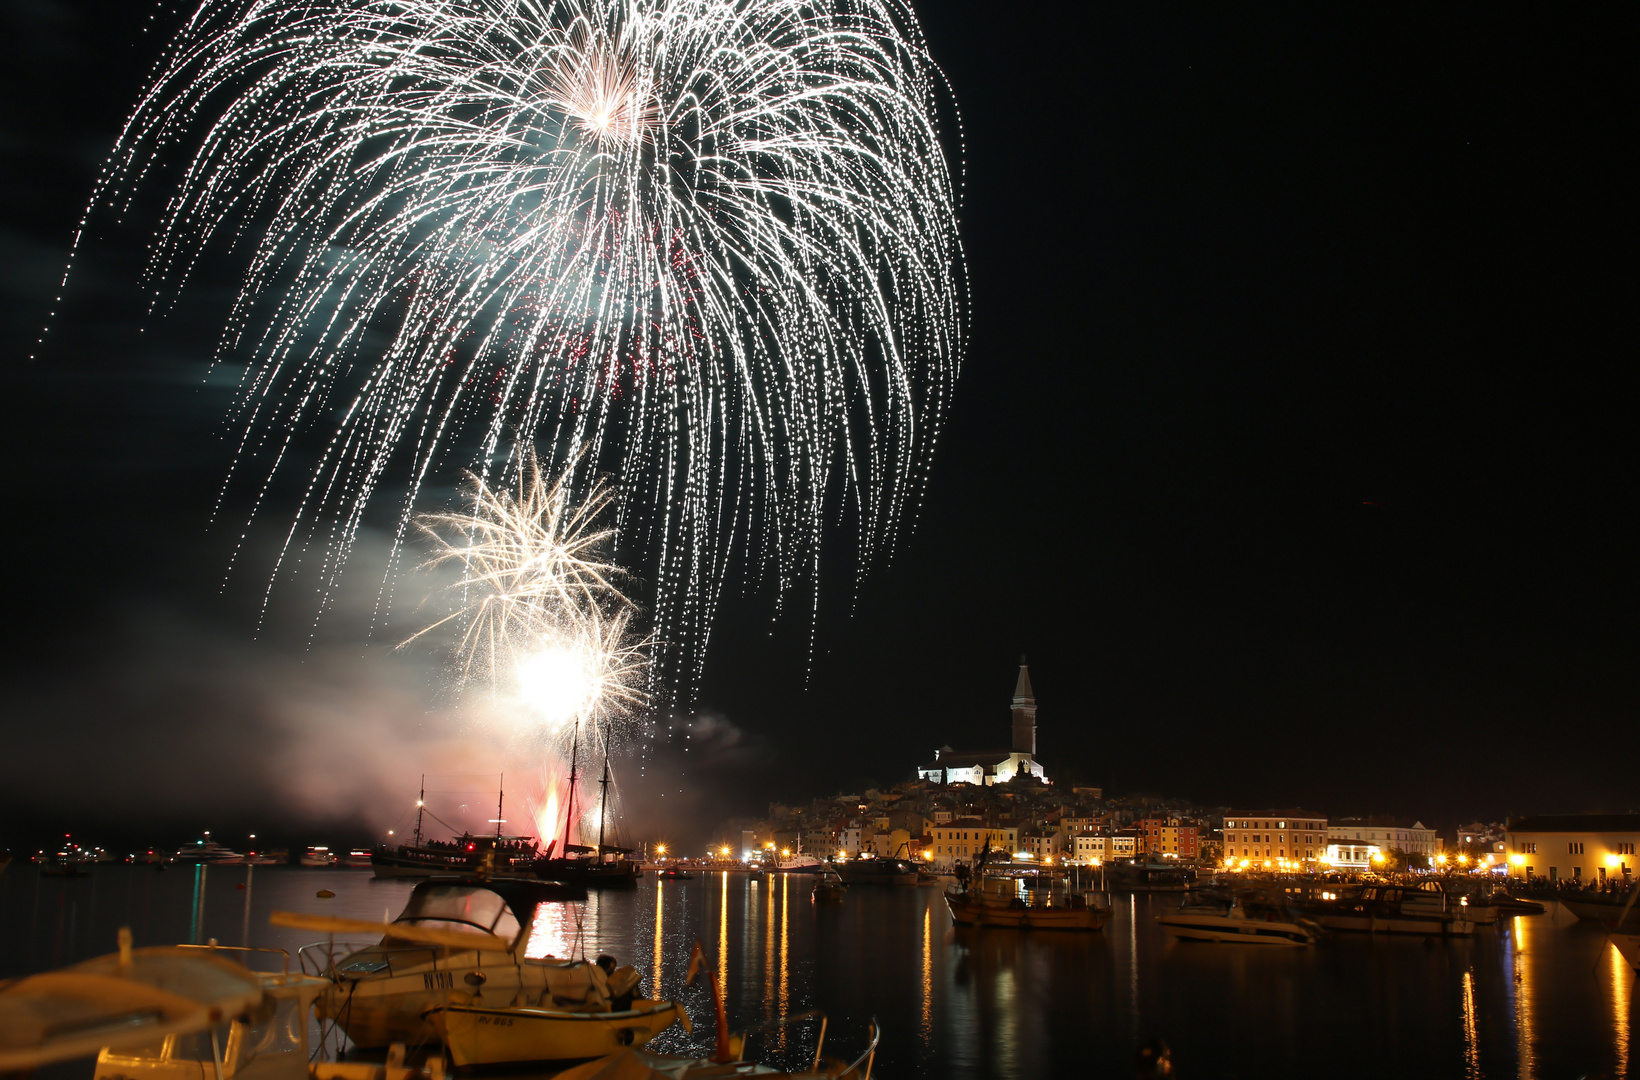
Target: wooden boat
(476,1035)
(1244,920)
(1000,901)
(729,1055)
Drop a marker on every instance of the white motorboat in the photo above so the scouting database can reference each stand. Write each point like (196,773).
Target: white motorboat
(1246,921)
(386,992)
(319,856)
(208,851)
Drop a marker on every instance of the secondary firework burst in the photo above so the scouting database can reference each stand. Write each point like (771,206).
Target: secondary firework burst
(542,621)
(707,245)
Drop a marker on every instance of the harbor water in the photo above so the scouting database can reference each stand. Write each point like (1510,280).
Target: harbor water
(1536,997)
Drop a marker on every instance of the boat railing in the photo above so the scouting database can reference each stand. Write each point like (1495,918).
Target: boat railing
(869,1057)
(240,953)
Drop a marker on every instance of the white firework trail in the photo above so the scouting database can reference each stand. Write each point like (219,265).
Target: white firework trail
(707,245)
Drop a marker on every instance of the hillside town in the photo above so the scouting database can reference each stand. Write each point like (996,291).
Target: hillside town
(965,802)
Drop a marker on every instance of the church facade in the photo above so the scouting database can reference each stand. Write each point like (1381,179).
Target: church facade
(994,766)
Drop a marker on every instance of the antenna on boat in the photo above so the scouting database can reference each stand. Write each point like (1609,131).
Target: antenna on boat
(421,804)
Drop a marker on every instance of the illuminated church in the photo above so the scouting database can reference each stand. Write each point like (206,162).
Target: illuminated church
(994,766)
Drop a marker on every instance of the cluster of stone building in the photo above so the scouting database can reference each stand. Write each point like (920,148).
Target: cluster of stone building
(965,802)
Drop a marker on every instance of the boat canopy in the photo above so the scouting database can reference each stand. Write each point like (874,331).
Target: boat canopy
(126,999)
(461,908)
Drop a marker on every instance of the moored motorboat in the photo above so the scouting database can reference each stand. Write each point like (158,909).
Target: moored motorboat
(1146,875)
(1603,908)
(672,873)
(1245,920)
(383,991)
(1423,908)
(873,870)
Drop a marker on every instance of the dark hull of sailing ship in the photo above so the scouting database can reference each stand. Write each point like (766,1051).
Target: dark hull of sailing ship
(617,873)
(466,855)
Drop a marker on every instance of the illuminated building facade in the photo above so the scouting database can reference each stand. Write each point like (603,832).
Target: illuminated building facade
(1271,838)
(962,839)
(1596,849)
(1389,834)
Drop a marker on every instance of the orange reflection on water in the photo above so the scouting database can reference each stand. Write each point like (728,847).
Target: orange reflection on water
(768,951)
(723,932)
(1471,1037)
(1622,1002)
(928,977)
(660,912)
(785,907)
(1525,998)
(551,931)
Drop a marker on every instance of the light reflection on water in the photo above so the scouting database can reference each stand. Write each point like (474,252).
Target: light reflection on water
(1536,997)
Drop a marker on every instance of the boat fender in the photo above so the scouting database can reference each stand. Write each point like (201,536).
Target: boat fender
(324,894)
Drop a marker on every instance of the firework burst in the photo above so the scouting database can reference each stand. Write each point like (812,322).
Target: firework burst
(707,245)
(542,618)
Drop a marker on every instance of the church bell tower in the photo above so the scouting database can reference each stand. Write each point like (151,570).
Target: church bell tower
(1024,713)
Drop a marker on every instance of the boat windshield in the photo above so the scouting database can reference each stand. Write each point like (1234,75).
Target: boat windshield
(460,907)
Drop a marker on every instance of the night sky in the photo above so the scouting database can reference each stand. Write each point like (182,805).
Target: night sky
(1293,446)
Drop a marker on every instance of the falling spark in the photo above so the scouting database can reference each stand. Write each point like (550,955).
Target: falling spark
(707,245)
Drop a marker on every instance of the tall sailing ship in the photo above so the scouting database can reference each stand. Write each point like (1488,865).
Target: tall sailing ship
(463,855)
(608,865)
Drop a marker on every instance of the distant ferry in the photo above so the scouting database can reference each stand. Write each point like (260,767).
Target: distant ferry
(318,856)
(208,851)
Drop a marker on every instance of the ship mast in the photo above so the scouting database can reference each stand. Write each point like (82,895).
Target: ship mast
(569,803)
(603,800)
(421,803)
(500,798)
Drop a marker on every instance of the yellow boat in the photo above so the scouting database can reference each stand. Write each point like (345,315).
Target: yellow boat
(477,1035)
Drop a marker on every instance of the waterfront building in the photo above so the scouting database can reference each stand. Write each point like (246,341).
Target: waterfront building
(1169,836)
(1353,855)
(987,767)
(1269,837)
(1407,835)
(962,839)
(1043,843)
(1596,849)
(1091,849)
